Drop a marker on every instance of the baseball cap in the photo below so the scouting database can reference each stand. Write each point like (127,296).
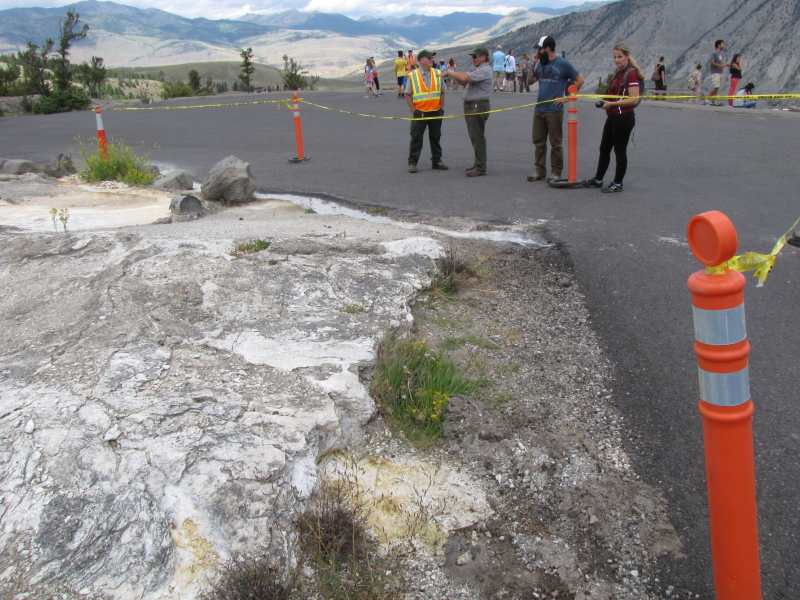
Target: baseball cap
(546,41)
(479,51)
(425,54)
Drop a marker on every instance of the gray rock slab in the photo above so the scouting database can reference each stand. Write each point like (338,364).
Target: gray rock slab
(163,404)
(230,180)
(18,167)
(181,180)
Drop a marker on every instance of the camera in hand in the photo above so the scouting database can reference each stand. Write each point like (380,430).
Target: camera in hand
(599,104)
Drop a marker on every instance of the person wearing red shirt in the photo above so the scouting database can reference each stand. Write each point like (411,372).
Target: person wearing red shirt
(623,97)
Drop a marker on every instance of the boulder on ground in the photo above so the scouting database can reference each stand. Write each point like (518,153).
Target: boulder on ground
(61,167)
(17,167)
(180,180)
(186,208)
(230,180)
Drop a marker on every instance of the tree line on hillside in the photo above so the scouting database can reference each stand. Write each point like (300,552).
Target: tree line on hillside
(46,71)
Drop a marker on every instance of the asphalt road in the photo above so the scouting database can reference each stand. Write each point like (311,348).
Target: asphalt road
(629,252)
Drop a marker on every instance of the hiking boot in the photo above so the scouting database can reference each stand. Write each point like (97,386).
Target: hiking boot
(534,178)
(475,173)
(440,166)
(613,188)
(593,183)
(412,168)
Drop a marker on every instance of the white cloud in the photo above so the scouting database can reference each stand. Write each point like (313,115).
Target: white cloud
(218,9)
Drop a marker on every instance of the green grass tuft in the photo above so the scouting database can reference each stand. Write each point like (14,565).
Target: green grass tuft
(456,342)
(250,247)
(122,164)
(414,385)
(354,309)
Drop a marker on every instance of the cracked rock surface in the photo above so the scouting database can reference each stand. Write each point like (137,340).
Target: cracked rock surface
(162,403)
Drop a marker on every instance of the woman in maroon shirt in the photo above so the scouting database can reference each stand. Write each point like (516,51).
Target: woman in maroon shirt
(623,93)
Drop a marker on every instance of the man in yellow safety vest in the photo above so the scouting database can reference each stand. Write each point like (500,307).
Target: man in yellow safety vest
(425,97)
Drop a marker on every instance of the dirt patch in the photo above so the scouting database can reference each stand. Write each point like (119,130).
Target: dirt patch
(570,517)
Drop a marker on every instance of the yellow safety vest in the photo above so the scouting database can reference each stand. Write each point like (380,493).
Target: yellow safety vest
(423,98)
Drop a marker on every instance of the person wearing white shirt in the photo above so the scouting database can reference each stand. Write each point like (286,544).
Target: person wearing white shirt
(510,68)
(742,100)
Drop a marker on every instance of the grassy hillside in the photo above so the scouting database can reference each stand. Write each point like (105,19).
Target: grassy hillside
(224,71)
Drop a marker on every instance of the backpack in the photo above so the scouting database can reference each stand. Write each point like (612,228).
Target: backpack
(626,89)
(656,76)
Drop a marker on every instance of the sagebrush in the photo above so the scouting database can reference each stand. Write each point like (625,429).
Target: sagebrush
(121,164)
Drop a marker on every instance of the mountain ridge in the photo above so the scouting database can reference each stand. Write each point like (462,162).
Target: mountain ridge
(683,31)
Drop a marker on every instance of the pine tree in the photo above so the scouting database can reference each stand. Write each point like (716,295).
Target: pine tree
(71,31)
(247,70)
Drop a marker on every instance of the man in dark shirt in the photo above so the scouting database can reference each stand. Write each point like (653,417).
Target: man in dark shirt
(554,74)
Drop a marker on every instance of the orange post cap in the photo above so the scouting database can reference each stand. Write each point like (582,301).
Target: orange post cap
(712,237)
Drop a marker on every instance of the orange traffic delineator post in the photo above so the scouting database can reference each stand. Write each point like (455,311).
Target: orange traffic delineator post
(572,134)
(102,142)
(572,144)
(726,408)
(298,130)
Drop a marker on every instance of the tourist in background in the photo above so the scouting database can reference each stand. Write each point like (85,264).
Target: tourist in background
(742,97)
(736,76)
(696,82)
(499,68)
(524,73)
(400,65)
(620,118)
(716,66)
(411,62)
(510,68)
(659,77)
(369,79)
(451,68)
(376,82)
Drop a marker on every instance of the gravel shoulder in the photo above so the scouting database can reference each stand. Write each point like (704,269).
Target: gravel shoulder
(570,518)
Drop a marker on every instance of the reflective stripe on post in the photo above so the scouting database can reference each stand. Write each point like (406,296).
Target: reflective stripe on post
(298,129)
(572,134)
(102,142)
(723,353)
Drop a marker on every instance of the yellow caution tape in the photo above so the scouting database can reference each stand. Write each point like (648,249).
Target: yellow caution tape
(196,106)
(438,118)
(289,101)
(760,264)
(770,96)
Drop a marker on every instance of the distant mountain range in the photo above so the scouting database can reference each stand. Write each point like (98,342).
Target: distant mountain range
(764,31)
(328,44)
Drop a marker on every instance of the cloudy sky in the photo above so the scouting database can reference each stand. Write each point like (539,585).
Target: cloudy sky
(217,9)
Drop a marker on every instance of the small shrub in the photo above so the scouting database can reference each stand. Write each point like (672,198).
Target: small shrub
(250,247)
(333,536)
(178,89)
(333,529)
(254,578)
(62,101)
(122,164)
(414,385)
(449,268)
